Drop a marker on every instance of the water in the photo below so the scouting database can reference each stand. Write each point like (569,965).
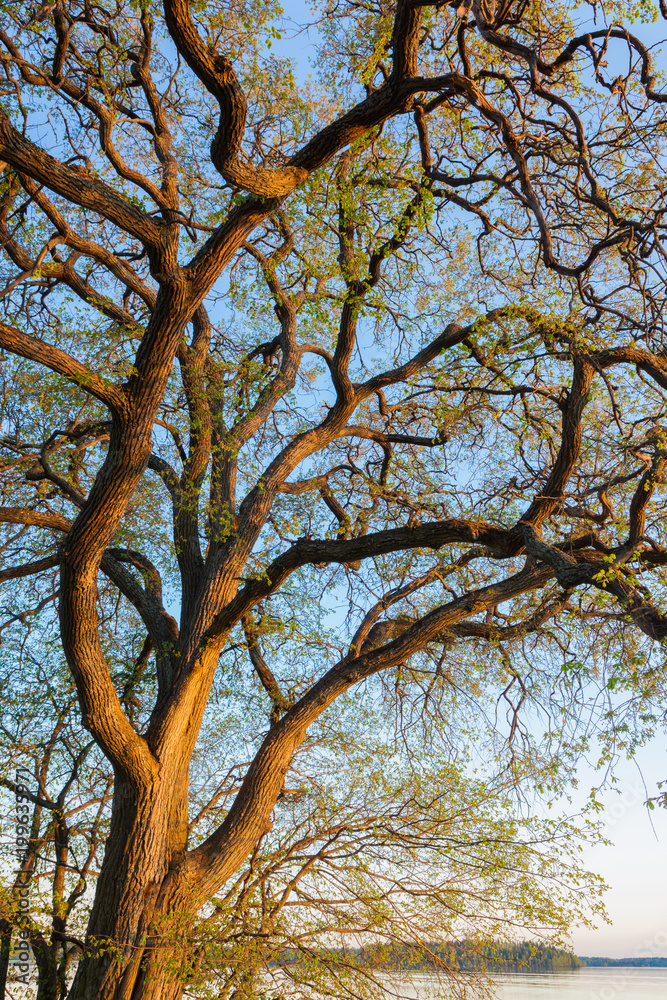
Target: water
(585,984)
(582,984)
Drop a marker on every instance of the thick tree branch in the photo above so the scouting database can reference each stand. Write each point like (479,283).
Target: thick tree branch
(279,702)
(606,577)
(59,361)
(38,519)
(28,569)
(86,191)
(570,446)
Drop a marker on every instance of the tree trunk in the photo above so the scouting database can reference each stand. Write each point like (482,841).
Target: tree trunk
(5,948)
(133,912)
(46,959)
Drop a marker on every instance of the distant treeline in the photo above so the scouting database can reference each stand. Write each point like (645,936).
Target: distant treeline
(462,956)
(643,963)
(526,956)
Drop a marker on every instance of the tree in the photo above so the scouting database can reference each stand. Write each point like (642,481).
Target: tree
(414,359)
(66,831)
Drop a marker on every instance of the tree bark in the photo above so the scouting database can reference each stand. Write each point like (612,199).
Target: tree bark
(46,959)
(5,947)
(145,840)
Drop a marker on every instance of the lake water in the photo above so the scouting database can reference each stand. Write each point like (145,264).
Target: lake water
(583,984)
(586,984)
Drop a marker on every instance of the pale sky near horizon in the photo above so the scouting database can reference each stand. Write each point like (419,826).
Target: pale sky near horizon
(634,866)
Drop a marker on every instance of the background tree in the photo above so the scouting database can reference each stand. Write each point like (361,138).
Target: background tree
(52,760)
(397,341)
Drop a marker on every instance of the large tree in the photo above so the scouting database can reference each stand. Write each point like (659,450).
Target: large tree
(396,334)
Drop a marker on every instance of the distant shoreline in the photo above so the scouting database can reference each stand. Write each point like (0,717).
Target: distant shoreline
(596,962)
(465,956)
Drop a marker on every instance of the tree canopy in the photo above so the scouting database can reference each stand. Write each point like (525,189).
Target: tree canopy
(333,418)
